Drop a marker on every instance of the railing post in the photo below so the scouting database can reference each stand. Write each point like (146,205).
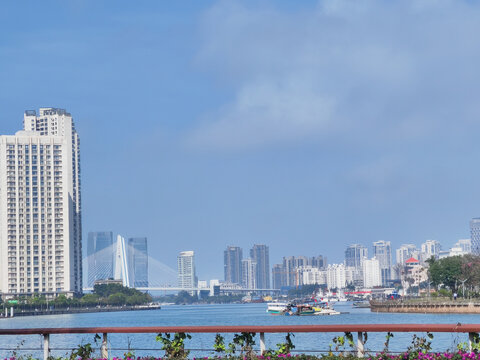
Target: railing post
(46,346)
(104,350)
(262,343)
(360,345)
(471,340)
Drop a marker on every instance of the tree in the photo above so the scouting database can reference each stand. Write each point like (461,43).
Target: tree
(446,271)
(89,299)
(117,299)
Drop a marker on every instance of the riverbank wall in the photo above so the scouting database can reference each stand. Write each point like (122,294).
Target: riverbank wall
(76,310)
(426,307)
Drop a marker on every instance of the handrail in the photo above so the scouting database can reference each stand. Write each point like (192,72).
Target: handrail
(361,329)
(458,328)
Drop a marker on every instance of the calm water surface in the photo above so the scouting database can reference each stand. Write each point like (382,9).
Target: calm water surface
(231,314)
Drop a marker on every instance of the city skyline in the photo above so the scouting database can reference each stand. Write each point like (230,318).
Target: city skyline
(325,125)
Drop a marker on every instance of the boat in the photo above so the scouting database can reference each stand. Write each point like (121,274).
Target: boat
(301,308)
(277,307)
(325,311)
(322,308)
(361,304)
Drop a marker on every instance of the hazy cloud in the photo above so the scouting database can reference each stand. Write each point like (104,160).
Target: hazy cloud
(382,70)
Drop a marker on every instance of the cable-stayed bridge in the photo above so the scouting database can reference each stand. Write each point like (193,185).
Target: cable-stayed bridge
(132,265)
(129,263)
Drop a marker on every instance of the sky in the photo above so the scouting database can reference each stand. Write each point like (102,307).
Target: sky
(306,126)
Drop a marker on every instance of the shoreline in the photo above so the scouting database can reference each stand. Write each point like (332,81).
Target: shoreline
(451,307)
(79,311)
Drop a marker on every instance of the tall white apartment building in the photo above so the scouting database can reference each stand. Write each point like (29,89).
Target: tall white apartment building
(338,276)
(372,275)
(311,275)
(40,211)
(249,273)
(405,252)
(465,245)
(430,248)
(187,278)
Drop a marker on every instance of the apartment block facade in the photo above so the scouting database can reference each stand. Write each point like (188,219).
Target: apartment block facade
(40,207)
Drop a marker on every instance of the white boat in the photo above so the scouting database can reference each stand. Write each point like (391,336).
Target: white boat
(277,307)
(325,311)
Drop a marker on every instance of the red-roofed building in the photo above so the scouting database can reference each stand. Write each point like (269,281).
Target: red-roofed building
(412,261)
(413,273)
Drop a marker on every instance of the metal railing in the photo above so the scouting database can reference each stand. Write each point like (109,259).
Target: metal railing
(360,329)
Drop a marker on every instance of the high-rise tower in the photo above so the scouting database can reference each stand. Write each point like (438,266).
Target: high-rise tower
(100,256)
(137,253)
(232,263)
(187,278)
(259,254)
(383,253)
(40,210)
(475,235)
(354,255)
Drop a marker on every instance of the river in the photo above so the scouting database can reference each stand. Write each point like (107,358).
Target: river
(227,314)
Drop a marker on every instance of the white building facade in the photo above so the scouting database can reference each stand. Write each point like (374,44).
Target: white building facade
(339,276)
(405,252)
(187,278)
(311,275)
(430,248)
(40,207)
(372,275)
(249,271)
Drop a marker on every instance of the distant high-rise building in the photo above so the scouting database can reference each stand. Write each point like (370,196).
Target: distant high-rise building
(475,235)
(137,253)
(187,277)
(338,276)
(465,245)
(232,264)
(259,254)
(40,211)
(278,276)
(405,252)
(290,277)
(249,274)
(372,275)
(383,253)
(430,248)
(286,274)
(319,261)
(100,256)
(311,275)
(354,255)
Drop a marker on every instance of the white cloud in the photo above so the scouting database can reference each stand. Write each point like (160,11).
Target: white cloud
(265,113)
(378,69)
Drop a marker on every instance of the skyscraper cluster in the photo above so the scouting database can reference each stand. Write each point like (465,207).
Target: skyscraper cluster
(252,272)
(290,273)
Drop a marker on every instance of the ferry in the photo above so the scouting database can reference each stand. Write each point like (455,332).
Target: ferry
(277,307)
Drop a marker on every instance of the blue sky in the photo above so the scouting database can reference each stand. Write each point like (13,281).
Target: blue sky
(306,126)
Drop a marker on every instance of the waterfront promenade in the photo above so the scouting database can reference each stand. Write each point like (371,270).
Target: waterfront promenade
(218,315)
